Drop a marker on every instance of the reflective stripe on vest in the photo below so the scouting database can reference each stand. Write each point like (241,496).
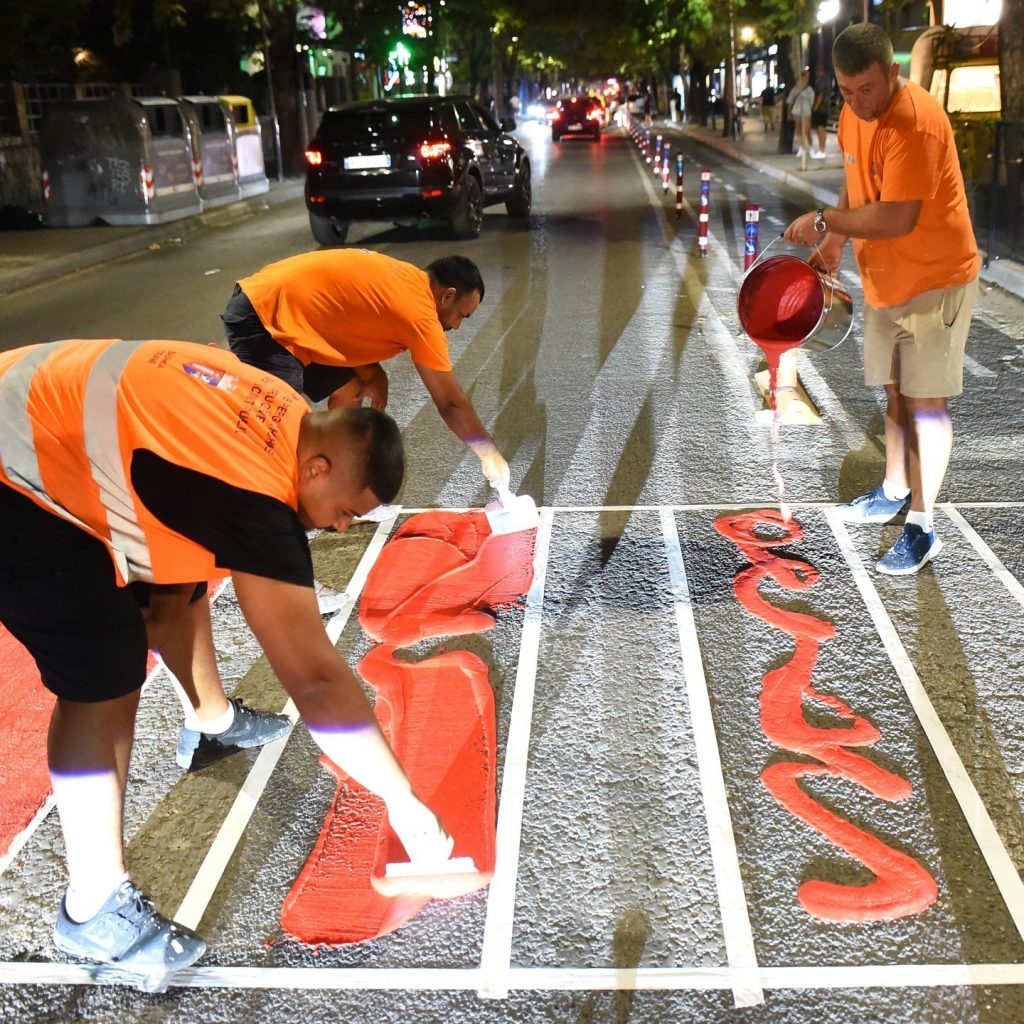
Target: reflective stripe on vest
(127,540)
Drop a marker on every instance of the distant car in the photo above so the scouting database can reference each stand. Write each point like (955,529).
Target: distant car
(540,110)
(403,159)
(578,115)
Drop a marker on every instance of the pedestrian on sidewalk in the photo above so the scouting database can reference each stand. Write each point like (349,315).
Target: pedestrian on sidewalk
(905,207)
(819,117)
(768,108)
(324,321)
(801,101)
(168,463)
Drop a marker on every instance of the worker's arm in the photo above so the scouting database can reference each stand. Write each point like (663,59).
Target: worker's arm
(459,415)
(286,621)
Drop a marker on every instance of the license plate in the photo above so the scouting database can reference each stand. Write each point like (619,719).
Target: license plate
(575,127)
(369,162)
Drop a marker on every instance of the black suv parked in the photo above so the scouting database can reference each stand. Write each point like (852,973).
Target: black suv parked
(403,159)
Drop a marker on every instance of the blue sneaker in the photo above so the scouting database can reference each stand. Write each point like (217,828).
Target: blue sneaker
(873,507)
(912,549)
(249,729)
(140,945)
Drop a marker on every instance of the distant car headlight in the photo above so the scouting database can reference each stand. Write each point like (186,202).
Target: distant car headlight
(535,110)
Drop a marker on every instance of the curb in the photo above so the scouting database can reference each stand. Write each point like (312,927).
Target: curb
(48,268)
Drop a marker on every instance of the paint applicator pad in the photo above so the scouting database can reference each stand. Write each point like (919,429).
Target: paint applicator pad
(439,879)
(512,513)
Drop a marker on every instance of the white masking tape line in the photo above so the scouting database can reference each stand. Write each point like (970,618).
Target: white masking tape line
(988,556)
(496,951)
(975,813)
(769,500)
(539,979)
(732,900)
(210,872)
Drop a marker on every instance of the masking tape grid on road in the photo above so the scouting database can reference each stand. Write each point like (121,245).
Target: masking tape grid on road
(496,953)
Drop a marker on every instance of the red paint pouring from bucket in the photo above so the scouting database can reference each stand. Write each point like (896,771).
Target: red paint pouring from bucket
(780,304)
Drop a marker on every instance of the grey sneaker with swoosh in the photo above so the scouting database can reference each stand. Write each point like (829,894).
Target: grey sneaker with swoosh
(249,729)
(127,933)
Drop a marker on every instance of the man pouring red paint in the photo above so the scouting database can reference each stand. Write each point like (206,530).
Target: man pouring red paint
(324,321)
(904,205)
(166,463)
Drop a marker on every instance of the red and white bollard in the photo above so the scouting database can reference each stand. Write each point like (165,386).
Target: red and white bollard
(647,146)
(657,157)
(753,212)
(664,168)
(705,211)
(679,185)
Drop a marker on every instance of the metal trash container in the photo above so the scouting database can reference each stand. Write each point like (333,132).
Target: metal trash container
(119,160)
(252,172)
(213,149)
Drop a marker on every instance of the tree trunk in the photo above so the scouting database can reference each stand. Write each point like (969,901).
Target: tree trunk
(1011,60)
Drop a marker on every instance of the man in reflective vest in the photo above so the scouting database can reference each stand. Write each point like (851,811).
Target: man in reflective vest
(169,463)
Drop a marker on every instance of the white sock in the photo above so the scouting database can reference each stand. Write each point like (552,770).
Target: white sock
(81,904)
(221,723)
(922,519)
(894,493)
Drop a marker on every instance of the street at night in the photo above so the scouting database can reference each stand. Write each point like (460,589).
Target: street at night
(644,870)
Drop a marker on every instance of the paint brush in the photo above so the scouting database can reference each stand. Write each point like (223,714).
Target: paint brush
(440,879)
(510,513)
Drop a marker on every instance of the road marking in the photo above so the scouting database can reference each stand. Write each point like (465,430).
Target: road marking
(551,979)
(975,369)
(732,900)
(210,872)
(496,952)
(988,556)
(1000,866)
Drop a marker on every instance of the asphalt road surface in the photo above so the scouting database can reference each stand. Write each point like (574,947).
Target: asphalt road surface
(645,872)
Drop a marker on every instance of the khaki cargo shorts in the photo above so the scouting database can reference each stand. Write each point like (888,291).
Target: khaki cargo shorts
(919,345)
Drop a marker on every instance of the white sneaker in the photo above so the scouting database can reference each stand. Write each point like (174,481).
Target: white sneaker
(380,514)
(328,599)
(818,155)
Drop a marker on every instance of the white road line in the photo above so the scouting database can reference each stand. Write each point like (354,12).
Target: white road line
(1010,886)
(210,872)
(975,369)
(711,506)
(732,900)
(988,556)
(550,979)
(496,952)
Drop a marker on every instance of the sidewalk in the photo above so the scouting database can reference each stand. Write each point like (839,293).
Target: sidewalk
(32,257)
(822,180)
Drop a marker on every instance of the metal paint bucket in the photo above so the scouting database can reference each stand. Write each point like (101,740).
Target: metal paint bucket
(785,301)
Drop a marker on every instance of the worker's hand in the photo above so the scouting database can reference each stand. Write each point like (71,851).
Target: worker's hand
(416,825)
(495,468)
(373,383)
(801,231)
(828,255)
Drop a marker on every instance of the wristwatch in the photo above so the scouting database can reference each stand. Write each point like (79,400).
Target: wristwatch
(819,222)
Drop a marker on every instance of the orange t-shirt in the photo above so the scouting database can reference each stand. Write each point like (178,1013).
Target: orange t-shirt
(909,153)
(349,307)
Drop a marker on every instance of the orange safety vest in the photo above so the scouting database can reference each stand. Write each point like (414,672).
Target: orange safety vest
(75,411)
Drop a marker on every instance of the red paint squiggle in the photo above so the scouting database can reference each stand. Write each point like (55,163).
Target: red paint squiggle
(901,886)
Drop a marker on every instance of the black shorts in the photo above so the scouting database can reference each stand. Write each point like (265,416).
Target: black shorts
(819,118)
(253,344)
(59,596)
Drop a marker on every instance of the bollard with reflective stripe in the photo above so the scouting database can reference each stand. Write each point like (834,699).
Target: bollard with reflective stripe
(753,212)
(46,186)
(657,157)
(679,185)
(705,211)
(647,146)
(664,168)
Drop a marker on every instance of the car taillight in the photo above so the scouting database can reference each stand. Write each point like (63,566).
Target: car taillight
(555,115)
(314,157)
(593,116)
(435,150)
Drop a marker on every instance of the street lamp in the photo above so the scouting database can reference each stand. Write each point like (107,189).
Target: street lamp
(828,11)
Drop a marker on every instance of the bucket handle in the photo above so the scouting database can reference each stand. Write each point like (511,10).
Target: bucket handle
(832,282)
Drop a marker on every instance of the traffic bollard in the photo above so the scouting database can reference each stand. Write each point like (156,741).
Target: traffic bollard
(664,168)
(657,157)
(679,185)
(647,146)
(753,212)
(705,211)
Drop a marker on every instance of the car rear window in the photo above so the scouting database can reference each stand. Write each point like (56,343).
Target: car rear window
(370,123)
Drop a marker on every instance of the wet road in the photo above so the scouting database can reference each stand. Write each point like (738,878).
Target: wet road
(645,872)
